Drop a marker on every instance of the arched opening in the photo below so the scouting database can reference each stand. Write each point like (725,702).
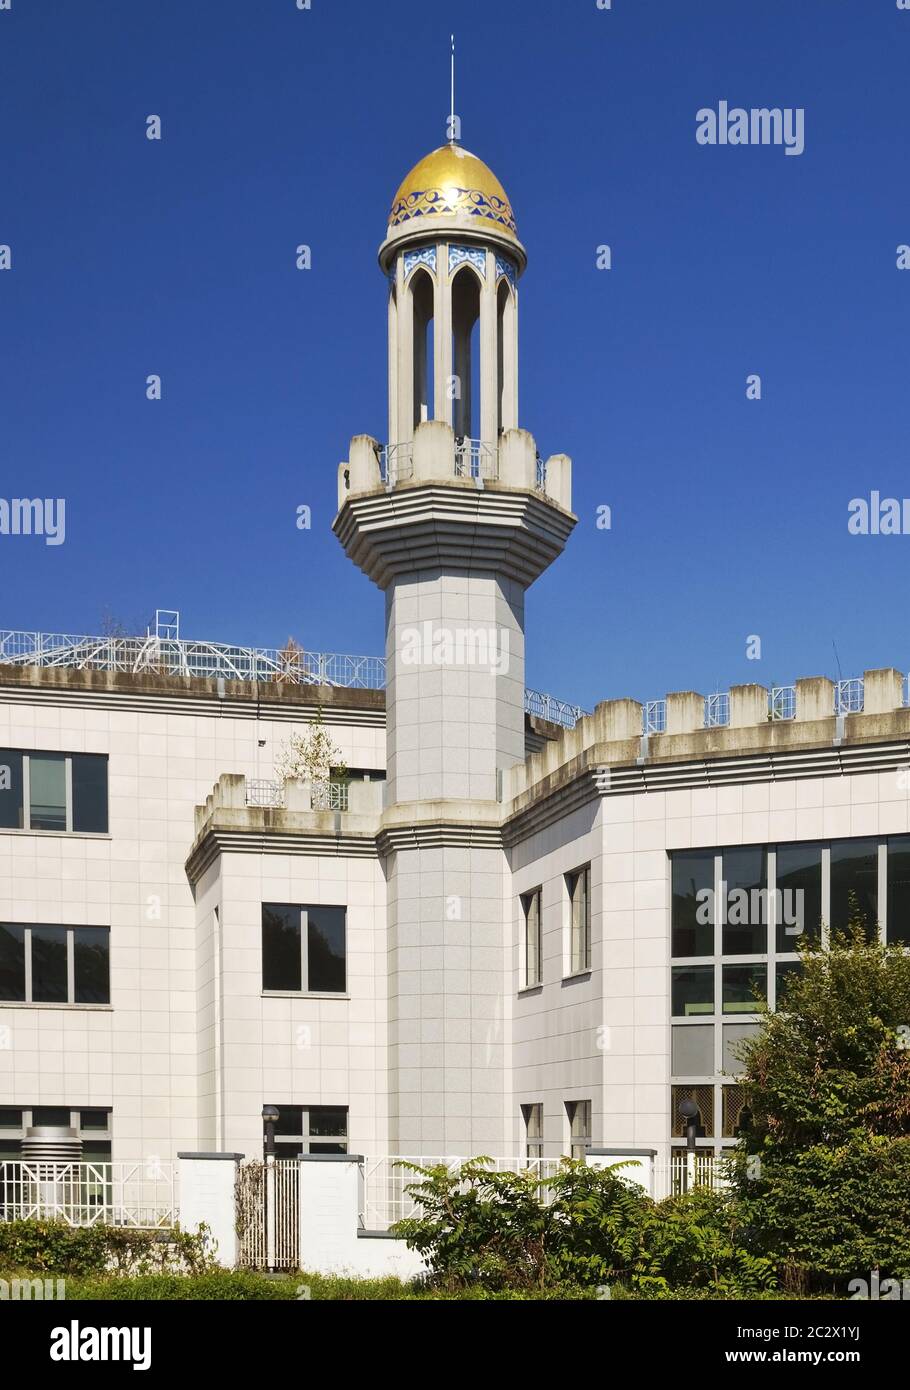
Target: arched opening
(422,301)
(505,358)
(465,351)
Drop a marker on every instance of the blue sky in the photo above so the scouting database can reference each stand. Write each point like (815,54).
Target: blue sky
(176,257)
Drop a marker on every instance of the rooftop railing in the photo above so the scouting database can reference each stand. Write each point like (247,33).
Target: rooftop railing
(176,656)
(848,698)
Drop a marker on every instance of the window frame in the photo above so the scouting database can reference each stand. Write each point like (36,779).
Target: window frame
(26,828)
(583,1141)
(527,902)
(70,1002)
(579,963)
(305,1139)
(303,932)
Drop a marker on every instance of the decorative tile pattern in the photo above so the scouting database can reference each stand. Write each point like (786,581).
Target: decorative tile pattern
(452,202)
(424,255)
(472,254)
(507,268)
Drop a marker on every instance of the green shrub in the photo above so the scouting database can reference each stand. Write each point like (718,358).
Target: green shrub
(53,1247)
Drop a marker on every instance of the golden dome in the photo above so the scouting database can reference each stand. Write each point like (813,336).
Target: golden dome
(452,182)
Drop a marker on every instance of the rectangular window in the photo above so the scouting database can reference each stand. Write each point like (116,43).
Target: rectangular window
(744,880)
(693,903)
(66,791)
(783,972)
(313,1129)
(703,1096)
(744,988)
(692,990)
(579,886)
(304,948)
(899,890)
(530,907)
(11,800)
(854,884)
(47,791)
(533,1122)
(733,1103)
(92,1126)
(578,1113)
(799,895)
(54,965)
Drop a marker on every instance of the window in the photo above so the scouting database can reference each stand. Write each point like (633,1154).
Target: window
(53,791)
(579,886)
(304,948)
(744,877)
(533,1122)
(741,985)
(54,965)
(784,971)
(734,1101)
(854,883)
(530,906)
(692,990)
(899,890)
(93,1127)
(692,911)
(799,894)
(311,1129)
(578,1113)
(703,1096)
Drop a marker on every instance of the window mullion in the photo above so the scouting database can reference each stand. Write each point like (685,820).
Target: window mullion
(304,951)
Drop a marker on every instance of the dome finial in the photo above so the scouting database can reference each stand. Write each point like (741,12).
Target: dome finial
(453,130)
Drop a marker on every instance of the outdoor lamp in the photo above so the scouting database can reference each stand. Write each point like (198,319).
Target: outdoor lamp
(692,1116)
(270,1115)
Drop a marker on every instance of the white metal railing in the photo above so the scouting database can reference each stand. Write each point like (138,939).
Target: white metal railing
(849,696)
(540,479)
(671,1179)
(476,459)
(396,463)
(782,702)
(264,793)
(139,1195)
(268,1214)
(329,796)
(548,707)
(386,1201)
(654,717)
(717,710)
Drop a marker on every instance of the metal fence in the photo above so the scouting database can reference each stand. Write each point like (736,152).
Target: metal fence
(139,1195)
(385,1180)
(268,1214)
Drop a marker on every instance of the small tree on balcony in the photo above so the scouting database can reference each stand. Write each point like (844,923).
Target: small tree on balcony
(311,757)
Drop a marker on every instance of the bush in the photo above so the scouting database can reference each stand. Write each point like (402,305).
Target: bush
(53,1247)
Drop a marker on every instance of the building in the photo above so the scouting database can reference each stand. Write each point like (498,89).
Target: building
(511,929)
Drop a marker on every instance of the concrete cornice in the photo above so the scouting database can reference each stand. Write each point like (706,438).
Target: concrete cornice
(148,692)
(452,524)
(432,824)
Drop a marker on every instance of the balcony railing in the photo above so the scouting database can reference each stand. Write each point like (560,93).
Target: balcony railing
(476,459)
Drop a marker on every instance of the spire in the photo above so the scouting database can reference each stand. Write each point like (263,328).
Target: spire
(453,132)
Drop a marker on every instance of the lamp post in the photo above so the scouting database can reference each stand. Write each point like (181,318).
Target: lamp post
(692,1116)
(270,1117)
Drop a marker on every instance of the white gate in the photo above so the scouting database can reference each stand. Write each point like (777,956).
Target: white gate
(268,1219)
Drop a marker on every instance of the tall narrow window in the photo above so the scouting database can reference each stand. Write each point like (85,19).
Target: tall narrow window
(579,1117)
(530,904)
(744,876)
(579,886)
(854,884)
(533,1122)
(465,315)
(11,806)
(47,791)
(693,903)
(421,291)
(899,890)
(799,895)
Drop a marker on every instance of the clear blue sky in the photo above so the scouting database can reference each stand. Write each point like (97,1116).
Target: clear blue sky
(280,127)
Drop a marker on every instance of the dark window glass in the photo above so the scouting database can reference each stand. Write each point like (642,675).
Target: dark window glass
(290,1120)
(799,895)
(11,790)
(12,962)
(740,983)
(91,951)
(94,1119)
(692,990)
(785,971)
(90,792)
(692,911)
(854,884)
(10,1119)
(97,1151)
(899,890)
(51,1115)
(744,887)
(325,949)
(49,965)
(281,964)
(47,791)
(328,1119)
(733,1101)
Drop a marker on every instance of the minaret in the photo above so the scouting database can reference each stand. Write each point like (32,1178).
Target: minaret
(454,518)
